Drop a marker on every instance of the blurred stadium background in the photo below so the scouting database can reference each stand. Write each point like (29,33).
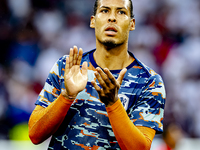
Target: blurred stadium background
(35,33)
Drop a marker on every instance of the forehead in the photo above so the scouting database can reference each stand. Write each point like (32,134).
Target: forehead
(114,3)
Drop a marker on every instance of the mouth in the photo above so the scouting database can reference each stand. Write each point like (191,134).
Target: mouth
(110,31)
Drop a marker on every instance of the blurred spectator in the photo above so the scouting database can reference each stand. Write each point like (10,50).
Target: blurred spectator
(181,72)
(3,104)
(25,45)
(172,135)
(48,23)
(5,30)
(19,8)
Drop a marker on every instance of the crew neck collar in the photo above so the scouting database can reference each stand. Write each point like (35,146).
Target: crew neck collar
(91,57)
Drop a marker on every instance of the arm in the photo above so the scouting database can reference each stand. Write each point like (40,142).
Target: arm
(127,134)
(45,121)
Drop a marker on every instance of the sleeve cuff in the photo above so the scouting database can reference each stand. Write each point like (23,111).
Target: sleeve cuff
(64,100)
(115,106)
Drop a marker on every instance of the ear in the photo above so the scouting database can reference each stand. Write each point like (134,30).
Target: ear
(132,24)
(92,22)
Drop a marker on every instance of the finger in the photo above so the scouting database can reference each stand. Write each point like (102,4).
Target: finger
(97,88)
(121,75)
(75,55)
(110,76)
(80,54)
(71,53)
(99,73)
(104,76)
(84,68)
(67,65)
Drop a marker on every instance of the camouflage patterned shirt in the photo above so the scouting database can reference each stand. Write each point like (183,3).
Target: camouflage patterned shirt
(86,125)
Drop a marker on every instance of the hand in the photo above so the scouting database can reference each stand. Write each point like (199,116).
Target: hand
(108,94)
(74,78)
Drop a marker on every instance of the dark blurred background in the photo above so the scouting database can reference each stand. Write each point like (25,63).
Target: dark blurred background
(35,33)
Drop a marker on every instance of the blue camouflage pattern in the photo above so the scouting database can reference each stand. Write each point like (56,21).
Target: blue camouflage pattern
(86,125)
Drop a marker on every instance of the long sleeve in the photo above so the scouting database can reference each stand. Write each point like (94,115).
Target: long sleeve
(127,134)
(45,121)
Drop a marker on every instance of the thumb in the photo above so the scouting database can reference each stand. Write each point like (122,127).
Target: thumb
(121,75)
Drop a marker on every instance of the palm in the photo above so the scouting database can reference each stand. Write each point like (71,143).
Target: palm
(75,81)
(75,78)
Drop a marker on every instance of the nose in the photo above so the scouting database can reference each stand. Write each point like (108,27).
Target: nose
(111,20)
(112,17)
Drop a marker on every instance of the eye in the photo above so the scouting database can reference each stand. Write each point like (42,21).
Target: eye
(122,12)
(104,11)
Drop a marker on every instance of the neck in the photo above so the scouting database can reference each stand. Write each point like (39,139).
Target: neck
(112,58)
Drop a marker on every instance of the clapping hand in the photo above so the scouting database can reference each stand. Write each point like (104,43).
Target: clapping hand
(75,78)
(108,94)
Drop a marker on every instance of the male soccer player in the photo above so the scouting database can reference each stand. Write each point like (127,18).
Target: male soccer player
(102,99)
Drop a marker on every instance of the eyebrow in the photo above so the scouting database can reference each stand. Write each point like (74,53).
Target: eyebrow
(118,8)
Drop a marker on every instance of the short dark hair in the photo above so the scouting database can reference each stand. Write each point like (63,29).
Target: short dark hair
(97,2)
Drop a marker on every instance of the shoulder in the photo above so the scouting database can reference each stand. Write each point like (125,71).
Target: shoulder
(145,71)
(146,76)
(87,56)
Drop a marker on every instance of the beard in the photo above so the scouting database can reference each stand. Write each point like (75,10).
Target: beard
(110,43)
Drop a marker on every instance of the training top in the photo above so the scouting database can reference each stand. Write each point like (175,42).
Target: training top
(86,124)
